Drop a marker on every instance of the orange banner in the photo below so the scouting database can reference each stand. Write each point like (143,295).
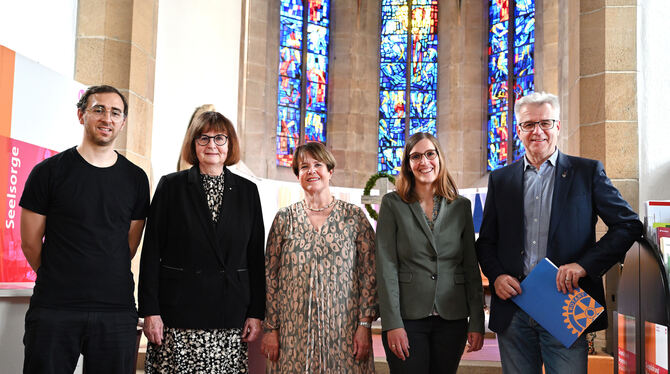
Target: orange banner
(7,58)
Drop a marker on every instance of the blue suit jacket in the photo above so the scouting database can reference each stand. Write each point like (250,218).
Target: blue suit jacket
(582,193)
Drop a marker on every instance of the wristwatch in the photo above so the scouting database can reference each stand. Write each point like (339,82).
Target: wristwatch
(365,324)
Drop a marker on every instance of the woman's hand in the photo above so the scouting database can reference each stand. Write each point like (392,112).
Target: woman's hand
(362,342)
(398,343)
(475,341)
(270,345)
(251,330)
(153,329)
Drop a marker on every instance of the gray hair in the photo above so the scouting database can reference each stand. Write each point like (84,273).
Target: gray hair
(537,98)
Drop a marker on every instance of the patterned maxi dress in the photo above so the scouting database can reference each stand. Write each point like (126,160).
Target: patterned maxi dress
(320,283)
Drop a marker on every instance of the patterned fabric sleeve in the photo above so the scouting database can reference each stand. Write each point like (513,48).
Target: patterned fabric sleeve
(365,263)
(272,264)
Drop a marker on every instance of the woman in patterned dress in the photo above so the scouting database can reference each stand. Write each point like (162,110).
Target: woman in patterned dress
(320,274)
(202,284)
(430,289)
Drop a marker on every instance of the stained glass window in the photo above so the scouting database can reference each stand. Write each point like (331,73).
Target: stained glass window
(511,50)
(303,75)
(407,76)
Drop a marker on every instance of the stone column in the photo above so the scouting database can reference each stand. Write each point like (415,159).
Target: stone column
(607,104)
(116,45)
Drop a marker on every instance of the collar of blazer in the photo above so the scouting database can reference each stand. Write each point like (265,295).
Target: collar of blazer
(415,207)
(199,203)
(562,182)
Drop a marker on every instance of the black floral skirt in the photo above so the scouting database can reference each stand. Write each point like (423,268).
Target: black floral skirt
(198,351)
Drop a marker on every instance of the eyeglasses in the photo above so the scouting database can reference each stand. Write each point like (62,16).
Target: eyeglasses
(545,124)
(99,111)
(219,139)
(416,156)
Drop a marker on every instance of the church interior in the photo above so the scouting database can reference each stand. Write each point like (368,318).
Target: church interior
(361,76)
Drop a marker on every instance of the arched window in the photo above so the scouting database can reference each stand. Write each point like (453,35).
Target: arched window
(408,69)
(303,37)
(511,49)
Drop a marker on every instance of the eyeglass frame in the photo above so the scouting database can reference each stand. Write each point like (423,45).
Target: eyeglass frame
(422,155)
(538,123)
(210,138)
(101,112)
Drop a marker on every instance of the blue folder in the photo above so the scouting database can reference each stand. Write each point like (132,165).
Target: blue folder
(565,316)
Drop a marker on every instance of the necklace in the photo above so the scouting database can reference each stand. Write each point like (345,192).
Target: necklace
(304,203)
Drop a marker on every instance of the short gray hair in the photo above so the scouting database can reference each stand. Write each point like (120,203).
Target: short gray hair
(537,98)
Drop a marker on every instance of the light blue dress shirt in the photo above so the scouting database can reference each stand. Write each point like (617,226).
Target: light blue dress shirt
(538,191)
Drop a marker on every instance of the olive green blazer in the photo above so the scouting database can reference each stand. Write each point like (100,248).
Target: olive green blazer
(418,269)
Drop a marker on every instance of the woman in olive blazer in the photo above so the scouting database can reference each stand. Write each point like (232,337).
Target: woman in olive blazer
(427,271)
(202,276)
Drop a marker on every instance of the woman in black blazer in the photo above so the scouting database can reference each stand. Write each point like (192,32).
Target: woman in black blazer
(202,280)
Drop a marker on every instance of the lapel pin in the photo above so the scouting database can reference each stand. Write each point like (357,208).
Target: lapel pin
(565,174)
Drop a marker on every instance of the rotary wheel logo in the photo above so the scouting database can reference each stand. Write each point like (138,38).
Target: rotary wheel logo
(580,310)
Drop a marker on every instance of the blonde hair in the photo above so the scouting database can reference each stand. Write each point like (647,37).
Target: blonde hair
(316,150)
(444,184)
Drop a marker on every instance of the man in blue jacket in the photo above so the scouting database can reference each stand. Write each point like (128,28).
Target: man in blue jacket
(547,205)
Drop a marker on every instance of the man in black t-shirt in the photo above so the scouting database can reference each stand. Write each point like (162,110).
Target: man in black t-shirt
(82,217)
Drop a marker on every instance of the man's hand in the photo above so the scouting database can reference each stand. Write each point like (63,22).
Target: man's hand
(153,329)
(398,342)
(506,286)
(251,330)
(568,276)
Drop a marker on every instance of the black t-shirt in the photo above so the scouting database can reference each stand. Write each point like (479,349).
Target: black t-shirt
(85,256)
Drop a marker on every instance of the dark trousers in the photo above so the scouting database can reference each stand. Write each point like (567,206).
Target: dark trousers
(54,338)
(435,346)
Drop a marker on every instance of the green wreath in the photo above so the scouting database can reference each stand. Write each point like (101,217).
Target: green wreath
(369,185)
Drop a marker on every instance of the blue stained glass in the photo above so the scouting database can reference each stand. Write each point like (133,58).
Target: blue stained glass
(424,48)
(422,125)
(289,62)
(498,97)
(394,19)
(287,122)
(317,68)
(497,139)
(498,11)
(389,160)
(424,76)
(498,68)
(290,33)
(392,104)
(392,76)
(424,2)
(524,7)
(518,150)
(316,97)
(285,149)
(315,127)
(318,12)
(524,30)
(523,86)
(291,8)
(392,132)
(289,92)
(424,19)
(523,60)
(317,39)
(423,104)
(498,38)
(393,48)
(394,2)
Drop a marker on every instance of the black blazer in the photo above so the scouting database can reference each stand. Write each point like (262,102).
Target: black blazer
(195,274)
(582,193)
